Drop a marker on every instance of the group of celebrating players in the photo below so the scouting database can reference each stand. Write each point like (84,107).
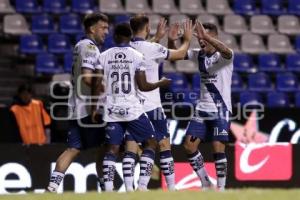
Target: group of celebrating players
(124,81)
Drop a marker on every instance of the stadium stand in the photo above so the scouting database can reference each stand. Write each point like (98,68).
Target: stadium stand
(137,6)
(192,7)
(42,24)
(265,35)
(6,7)
(55,6)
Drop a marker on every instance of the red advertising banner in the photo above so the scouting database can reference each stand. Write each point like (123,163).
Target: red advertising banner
(263,162)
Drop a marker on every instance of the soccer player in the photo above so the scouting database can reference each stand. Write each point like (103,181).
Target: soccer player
(211,117)
(85,59)
(123,70)
(154,53)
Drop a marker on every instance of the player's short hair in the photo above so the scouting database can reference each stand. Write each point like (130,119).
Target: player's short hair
(138,22)
(93,18)
(122,33)
(211,27)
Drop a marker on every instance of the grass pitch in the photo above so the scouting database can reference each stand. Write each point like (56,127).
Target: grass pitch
(242,194)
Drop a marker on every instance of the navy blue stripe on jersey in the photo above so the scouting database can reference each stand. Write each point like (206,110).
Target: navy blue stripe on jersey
(216,96)
(168,54)
(201,63)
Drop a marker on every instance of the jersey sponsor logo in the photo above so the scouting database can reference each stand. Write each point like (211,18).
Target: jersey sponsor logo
(187,179)
(142,101)
(118,110)
(91,47)
(162,50)
(88,62)
(120,56)
(90,54)
(209,78)
(263,161)
(213,60)
(120,61)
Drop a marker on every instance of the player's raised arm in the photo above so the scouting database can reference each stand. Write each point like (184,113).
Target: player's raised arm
(161,31)
(202,34)
(173,35)
(180,53)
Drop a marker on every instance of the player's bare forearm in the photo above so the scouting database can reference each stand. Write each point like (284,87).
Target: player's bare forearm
(220,46)
(97,88)
(173,35)
(145,86)
(161,31)
(180,53)
(87,75)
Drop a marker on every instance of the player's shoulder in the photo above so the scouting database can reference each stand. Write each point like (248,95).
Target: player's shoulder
(135,52)
(147,45)
(87,45)
(37,101)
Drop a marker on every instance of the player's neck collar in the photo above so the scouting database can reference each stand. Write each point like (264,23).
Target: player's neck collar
(123,45)
(93,41)
(137,39)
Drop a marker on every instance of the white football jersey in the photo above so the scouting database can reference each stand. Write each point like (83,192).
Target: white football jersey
(85,55)
(154,53)
(120,65)
(215,87)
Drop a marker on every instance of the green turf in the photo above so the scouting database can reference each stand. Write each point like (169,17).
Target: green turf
(243,194)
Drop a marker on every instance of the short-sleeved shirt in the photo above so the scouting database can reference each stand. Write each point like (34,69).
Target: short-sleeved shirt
(215,86)
(120,65)
(85,55)
(154,53)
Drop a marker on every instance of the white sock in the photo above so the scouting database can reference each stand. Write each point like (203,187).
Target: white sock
(167,167)
(221,169)
(128,170)
(55,180)
(109,169)
(197,162)
(146,162)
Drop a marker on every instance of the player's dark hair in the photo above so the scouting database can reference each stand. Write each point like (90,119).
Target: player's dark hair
(25,88)
(211,27)
(138,23)
(92,19)
(122,33)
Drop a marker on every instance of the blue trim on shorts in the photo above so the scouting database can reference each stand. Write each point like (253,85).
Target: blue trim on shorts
(209,126)
(140,130)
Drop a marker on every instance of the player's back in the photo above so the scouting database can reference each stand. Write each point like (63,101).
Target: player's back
(120,65)
(154,53)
